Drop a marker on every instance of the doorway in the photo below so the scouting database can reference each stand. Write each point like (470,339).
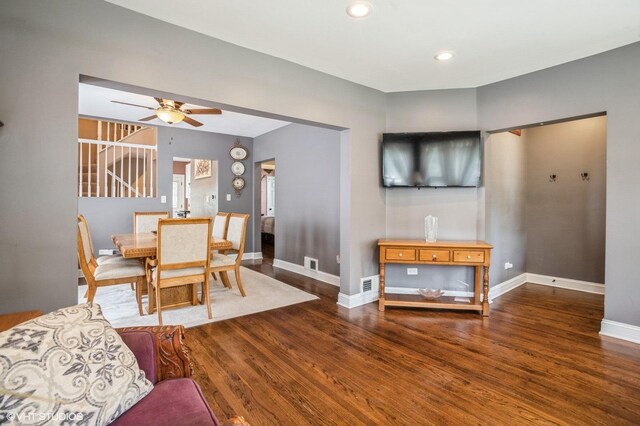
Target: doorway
(195,187)
(268,209)
(178,195)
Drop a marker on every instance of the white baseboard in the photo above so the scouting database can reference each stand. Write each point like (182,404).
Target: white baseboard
(356,300)
(252,256)
(299,269)
(586,286)
(494,292)
(506,286)
(620,330)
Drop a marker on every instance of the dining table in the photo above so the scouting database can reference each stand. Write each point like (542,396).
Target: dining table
(145,245)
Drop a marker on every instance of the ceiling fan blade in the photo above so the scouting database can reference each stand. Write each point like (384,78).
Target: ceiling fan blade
(203,111)
(139,106)
(159,100)
(191,121)
(178,104)
(149,118)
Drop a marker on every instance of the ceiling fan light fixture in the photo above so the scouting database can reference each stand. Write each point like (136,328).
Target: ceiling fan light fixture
(169,115)
(445,55)
(359,9)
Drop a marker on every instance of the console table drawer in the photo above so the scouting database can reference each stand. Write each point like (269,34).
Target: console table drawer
(468,256)
(400,254)
(435,255)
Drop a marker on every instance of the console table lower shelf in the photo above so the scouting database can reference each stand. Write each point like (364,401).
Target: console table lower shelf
(442,302)
(476,254)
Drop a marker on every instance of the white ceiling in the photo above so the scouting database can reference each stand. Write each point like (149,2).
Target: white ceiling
(392,50)
(95,101)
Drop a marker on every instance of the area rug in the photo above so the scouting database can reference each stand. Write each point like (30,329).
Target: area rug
(119,305)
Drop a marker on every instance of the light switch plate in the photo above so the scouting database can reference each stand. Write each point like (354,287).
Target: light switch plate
(163,199)
(412,271)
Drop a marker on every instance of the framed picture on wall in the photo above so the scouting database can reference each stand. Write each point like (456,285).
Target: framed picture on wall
(202,169)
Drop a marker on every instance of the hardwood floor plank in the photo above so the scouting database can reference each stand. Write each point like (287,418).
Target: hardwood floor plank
(538,359)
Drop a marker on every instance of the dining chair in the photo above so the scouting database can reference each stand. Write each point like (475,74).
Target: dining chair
(111,273)
(222,262)
(183,258)
(220,222)
(147,221)
(102,260)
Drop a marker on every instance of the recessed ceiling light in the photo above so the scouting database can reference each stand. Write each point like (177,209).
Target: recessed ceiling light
(359,9)
(445,55)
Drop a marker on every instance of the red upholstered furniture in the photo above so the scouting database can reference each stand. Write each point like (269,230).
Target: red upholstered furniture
(175,398)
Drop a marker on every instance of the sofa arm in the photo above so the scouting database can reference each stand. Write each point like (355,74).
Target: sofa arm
(171,354)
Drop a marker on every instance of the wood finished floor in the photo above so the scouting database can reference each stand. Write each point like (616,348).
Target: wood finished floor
(538,359)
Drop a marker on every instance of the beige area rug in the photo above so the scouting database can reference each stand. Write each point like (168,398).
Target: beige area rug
(119,305)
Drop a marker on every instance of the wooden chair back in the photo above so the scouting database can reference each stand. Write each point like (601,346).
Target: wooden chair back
(236,232)
(183,243)
(147,221)
(85,246)
(220,223)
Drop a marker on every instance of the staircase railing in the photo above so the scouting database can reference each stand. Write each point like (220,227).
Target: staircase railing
(116,169)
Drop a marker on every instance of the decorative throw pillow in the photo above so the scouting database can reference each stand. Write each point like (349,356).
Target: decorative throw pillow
(67,367)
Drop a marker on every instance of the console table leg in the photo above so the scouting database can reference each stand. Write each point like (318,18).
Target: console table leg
(485,292)
(381,292)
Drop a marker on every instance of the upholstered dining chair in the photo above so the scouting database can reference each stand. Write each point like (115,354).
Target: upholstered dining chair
(183,258)
(220,222)
(222,262)
(122,271)
(147,221)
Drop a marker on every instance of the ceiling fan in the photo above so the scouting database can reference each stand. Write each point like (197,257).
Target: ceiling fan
(172,112)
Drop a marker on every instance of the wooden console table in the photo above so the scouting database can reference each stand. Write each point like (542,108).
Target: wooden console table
(453,253)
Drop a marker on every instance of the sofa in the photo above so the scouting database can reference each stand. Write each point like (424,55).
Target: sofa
(71,366)
(175,398)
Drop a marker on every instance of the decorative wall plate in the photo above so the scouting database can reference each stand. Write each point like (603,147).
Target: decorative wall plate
(238,152)
(238,185)
(237,168)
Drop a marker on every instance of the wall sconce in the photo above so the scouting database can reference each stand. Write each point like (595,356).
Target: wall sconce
(552,178)
(585,176)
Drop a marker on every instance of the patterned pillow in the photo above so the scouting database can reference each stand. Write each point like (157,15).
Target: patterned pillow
(67,367)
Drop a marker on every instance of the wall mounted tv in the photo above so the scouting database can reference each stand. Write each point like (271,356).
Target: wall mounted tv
(434,159)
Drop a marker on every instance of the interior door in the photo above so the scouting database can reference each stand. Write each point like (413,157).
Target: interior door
(177,203)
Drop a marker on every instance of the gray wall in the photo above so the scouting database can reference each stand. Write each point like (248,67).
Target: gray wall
(606,82)
(204,191)
(107,216)
(566,218)
(47,46)
(457,209)
(505,201)
(307,193)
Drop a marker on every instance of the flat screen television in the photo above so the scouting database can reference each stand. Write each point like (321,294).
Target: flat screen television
(434,159)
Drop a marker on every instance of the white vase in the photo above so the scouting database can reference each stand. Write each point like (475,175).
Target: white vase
(431,228)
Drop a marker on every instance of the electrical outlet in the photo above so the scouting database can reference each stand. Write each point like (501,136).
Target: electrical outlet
(338,258)
(508,265)
(412,271)
(105,252)
(163,199)
(228,197)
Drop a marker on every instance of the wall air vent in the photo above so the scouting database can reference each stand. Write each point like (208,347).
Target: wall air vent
(311,263)
(368,284)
